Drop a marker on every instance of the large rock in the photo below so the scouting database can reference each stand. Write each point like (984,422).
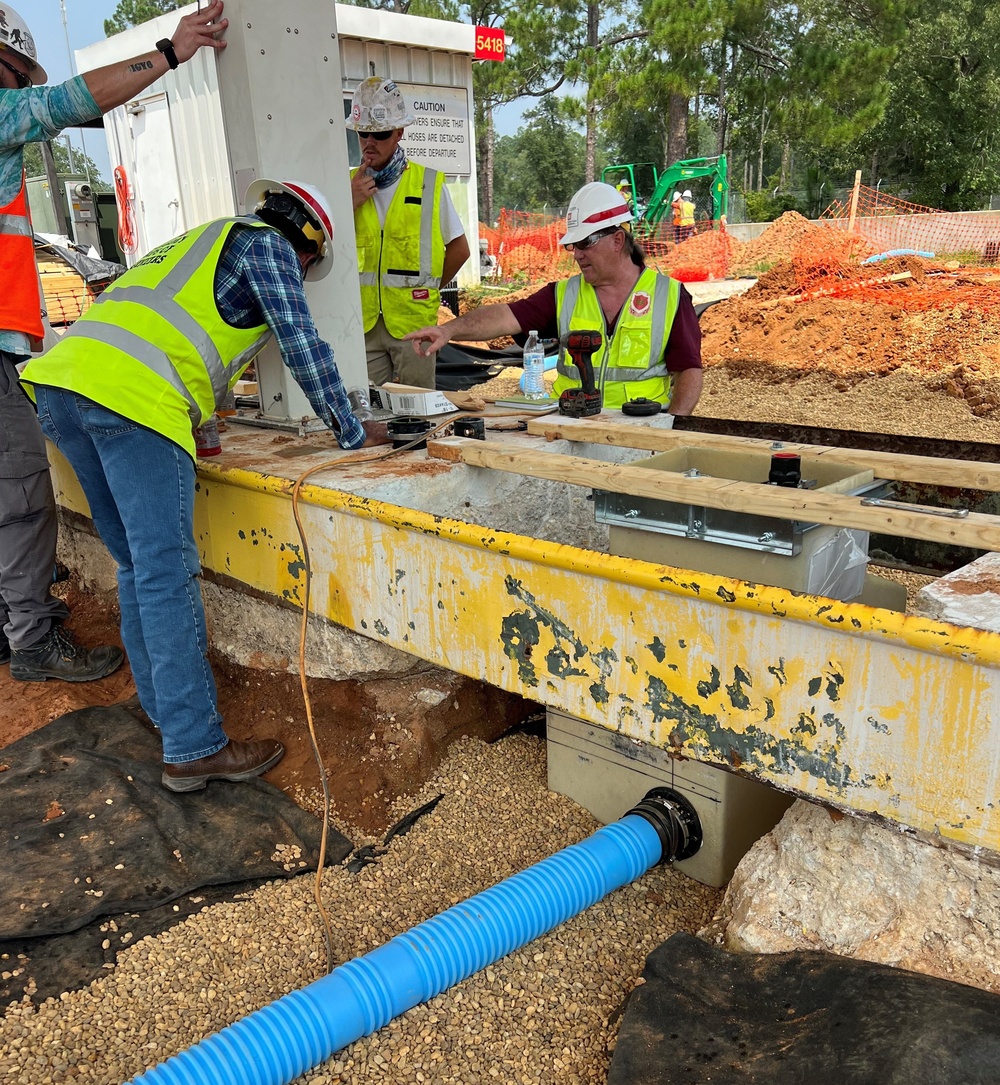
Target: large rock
(820,880)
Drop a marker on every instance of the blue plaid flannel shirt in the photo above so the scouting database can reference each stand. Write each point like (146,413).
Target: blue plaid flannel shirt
(259,281)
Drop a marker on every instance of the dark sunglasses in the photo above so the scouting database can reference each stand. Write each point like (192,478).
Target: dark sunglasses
(586,242)
(23,81)
(380,136)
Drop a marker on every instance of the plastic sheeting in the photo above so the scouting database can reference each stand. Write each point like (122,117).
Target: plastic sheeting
(90,833)
(704,1015)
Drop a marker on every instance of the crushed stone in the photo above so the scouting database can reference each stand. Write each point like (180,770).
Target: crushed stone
(548,1012)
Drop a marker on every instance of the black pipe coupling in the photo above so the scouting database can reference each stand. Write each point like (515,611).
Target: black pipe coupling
(675,820)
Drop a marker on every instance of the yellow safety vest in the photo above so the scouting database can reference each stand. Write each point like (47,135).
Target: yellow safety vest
(154,347)
(687,213)
(631,365)
(401,263)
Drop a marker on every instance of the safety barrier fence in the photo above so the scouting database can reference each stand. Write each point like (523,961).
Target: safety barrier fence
(854,249)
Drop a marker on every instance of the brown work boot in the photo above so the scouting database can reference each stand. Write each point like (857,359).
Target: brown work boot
(57,655)
(236,762)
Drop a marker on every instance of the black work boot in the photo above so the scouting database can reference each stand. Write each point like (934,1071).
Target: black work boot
(58,655)
(4,648)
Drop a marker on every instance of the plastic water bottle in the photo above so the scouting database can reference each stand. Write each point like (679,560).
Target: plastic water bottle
(360,404)
(534,368)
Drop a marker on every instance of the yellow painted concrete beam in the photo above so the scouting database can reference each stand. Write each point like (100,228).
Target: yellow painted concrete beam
(876,711)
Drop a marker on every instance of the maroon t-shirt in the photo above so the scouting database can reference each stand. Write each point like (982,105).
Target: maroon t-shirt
(538,312)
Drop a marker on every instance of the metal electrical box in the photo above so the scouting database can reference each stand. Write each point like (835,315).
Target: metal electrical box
(608,773)
(753,546)
(82,206)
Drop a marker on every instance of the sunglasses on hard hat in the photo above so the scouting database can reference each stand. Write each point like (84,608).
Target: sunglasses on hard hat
(380,136)
(23,81)
(586,242)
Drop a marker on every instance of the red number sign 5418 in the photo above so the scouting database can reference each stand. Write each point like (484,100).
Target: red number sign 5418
(489,43)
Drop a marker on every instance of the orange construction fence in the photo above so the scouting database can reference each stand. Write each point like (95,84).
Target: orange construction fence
(871,246)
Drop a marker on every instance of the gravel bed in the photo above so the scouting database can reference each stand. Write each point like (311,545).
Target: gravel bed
(913,582)
(548,1013)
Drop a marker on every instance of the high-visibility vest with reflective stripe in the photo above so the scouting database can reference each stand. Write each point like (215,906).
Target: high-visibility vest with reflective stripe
(401,262)
(154,346)
(20,300)
(631,365)
(687,213)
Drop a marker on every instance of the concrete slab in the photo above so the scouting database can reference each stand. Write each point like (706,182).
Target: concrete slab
(969,596)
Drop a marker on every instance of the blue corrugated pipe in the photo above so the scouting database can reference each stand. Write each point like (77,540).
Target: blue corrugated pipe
(277,1044)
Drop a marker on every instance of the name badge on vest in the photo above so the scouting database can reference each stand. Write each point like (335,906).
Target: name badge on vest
(639,305)
(423,294)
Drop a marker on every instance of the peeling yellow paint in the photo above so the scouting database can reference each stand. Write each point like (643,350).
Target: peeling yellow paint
(874,710)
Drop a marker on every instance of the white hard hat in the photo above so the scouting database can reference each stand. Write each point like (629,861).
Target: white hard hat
(594,207)
(378,106)
(313,219)
(15,36)
(687,194)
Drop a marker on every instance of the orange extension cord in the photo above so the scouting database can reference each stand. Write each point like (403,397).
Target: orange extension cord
(343,462)
(128,242)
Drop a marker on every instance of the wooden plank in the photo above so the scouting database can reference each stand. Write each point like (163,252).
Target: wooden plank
(966,474)
(975,530)
(854,202)
(843,289)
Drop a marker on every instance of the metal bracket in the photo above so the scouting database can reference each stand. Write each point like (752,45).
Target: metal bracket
(883,503)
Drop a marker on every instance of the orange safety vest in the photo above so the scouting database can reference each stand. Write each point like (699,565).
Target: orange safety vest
(20,300)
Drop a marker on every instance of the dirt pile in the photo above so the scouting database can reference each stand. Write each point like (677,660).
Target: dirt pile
(860,364)
(792,234)
(710,253)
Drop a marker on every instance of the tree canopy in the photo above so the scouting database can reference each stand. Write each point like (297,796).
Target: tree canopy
(797,94)
(133,12)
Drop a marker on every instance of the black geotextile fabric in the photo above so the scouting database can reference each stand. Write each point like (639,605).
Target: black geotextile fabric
(89,836)
(704,1015)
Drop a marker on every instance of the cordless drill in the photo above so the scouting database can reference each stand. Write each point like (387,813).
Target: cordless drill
(587,399)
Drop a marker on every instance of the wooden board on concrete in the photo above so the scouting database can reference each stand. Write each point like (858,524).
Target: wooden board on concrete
(975,530)
(966,474)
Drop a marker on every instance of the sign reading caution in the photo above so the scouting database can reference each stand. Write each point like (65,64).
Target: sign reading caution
(439,136)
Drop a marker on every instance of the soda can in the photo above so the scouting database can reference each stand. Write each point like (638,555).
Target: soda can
(206,438)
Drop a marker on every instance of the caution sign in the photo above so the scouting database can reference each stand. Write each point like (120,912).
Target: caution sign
(439,136)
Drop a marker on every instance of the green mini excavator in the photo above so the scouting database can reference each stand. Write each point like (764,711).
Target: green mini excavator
(676,177)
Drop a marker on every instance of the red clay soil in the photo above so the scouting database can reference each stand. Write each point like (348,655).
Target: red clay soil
(379,739)
(861,363)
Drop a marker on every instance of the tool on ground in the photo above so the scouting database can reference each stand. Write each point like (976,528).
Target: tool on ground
(587,399)
(641,407)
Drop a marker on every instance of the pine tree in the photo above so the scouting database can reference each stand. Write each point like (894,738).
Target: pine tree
(133,12)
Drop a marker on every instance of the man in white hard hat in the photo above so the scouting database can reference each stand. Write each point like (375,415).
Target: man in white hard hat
(32,636)
(411,241)
(652,342)
(119,395)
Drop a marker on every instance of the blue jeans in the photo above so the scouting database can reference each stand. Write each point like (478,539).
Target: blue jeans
(140,488)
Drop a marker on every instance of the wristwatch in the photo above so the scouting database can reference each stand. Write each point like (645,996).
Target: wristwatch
(166,47)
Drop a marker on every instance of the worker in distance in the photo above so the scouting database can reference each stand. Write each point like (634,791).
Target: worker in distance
(119,396)
(410,239)
(652,342)
(32,635)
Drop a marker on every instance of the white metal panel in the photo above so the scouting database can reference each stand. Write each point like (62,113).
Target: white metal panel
(275,130)
(407,48)
(159,215)
(200,169)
